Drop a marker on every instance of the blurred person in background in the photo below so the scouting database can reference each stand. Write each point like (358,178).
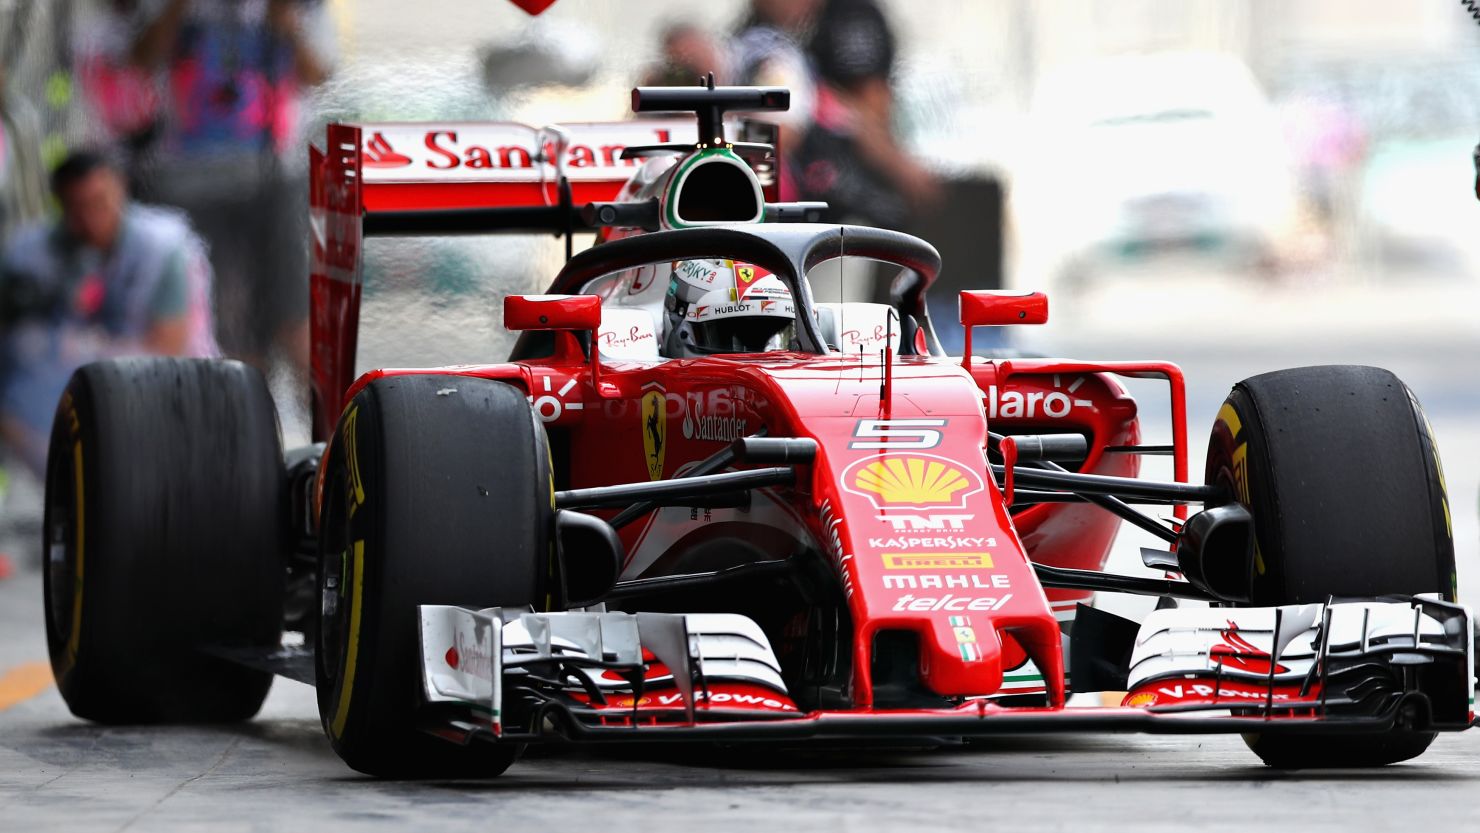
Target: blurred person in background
(768,50)
(688,54)
(22,176)
(851,157)
(229,151)
(22,201)
(1329,148)
(109,278)
(120,100)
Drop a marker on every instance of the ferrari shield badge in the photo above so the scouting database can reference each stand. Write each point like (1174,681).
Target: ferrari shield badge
(654,431)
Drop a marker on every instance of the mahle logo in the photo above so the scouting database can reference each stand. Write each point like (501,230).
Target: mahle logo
(911,481)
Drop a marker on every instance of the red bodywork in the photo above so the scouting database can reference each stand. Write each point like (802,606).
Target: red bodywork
(900,497)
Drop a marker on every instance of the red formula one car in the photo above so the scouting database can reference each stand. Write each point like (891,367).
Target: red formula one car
(697,503)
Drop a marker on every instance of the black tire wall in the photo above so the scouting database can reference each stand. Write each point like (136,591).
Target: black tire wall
(1340,470)
(178,529)
(437,490)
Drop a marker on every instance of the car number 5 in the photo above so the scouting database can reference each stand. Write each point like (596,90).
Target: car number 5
(915,434)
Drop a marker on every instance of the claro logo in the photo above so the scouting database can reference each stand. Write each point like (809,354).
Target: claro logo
(1035,404)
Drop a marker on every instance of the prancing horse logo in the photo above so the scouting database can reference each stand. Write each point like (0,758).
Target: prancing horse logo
(654,431)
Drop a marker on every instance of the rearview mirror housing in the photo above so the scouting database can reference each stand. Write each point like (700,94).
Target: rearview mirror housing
(997,308)
(552,312)
(991,307)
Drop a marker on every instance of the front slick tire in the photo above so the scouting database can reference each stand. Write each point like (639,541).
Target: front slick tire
(1339,469)
(437,490)
(166,518)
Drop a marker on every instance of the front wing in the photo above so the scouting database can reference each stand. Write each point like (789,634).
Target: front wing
(1343,667)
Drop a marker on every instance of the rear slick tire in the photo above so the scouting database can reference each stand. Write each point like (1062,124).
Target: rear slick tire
(1339,469)
(436,490)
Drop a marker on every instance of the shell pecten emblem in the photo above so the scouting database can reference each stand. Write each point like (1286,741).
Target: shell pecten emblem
(1140,699)
(911,481)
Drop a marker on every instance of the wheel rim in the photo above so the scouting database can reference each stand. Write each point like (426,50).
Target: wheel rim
(63,581)
(334,578)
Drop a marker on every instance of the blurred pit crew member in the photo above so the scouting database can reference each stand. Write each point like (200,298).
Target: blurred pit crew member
(767,51)
(851,157)
(22,175)
(725,306)
(229,152)
(688,54)
(109,278)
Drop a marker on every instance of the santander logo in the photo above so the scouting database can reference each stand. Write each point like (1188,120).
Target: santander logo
(379,154)
(503,150)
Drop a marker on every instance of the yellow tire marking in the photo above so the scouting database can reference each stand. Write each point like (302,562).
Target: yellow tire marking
(74,638)
(1229,416)
(352,650)
(352,457)
(1239,465)
(23,682)
(551,567)
(1439,470)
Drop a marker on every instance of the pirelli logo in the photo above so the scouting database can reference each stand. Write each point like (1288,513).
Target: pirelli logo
(937,560)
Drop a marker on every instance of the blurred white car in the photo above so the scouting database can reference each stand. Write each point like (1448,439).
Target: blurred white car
(1417,208)
(1130,156)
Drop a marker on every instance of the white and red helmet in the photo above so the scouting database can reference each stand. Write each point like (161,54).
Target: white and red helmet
(726,306)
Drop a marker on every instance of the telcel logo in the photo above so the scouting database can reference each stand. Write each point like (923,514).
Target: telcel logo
(910,601)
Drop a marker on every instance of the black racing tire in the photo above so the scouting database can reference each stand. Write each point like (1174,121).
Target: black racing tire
(1339,468)
(166,523)
(436,490)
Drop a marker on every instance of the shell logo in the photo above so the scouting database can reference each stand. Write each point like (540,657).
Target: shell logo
(911,481)
(1140,699)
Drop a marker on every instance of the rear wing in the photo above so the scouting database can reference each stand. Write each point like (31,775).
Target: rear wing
(450,178)
(499,164)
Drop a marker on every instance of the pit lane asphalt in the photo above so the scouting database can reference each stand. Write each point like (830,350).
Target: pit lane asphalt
(278,773)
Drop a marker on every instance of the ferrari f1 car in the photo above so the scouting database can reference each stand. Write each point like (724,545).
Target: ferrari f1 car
(699,504)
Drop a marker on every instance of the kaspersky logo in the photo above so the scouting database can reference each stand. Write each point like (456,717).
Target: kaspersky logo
(379,154)
(911,481)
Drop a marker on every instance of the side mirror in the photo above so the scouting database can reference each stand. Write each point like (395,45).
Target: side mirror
(998,308)
(990,307)
(552,312)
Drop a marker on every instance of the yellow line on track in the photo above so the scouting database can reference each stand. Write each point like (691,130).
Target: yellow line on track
(24,681)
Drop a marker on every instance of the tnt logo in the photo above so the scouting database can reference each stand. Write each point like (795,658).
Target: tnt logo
(906,523)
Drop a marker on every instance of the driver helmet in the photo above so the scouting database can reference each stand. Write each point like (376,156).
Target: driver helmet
(726,306)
